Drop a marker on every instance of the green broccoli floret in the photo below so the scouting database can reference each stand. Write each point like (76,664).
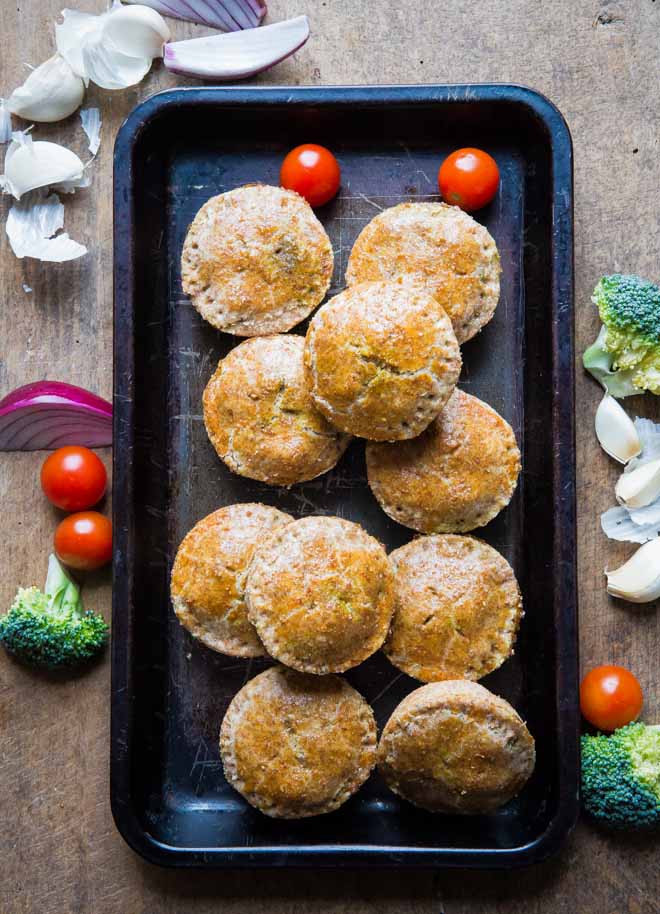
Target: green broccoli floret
(621,776)
(51,629)
(625,358)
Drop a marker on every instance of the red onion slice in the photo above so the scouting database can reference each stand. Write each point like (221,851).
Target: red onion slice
(50,414)
(237,55)
(226,15)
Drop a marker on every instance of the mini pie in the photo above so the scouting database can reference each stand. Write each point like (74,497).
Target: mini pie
(208,577)
(457,475)
(453,746)
(256,260)
(437,245)
(260,417)
(295,745)
(320,593)
(382,360)
(457,608)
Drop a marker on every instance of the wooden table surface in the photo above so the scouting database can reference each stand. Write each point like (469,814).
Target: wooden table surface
(599,62)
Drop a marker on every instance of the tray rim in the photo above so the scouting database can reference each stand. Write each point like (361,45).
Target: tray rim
(563,407)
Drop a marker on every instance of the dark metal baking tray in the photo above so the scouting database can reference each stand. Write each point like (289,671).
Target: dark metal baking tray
(169,797)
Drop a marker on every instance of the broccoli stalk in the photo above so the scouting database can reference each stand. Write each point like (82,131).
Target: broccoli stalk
(625,357)
(51,629)
(621,777)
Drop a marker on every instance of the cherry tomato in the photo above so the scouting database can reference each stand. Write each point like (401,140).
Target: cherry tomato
(313,172)
(84,540)
(73,478)
(610,697)
(468,178)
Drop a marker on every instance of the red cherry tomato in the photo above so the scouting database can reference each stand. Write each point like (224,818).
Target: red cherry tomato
(84,540)
(468,178)
(313,172)
(610,697)
(73,478)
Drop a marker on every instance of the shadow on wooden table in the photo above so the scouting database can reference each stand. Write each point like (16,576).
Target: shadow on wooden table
(542,889)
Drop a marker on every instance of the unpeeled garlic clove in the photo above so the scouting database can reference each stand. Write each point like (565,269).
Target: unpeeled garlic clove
(616,431)
(638,580)
(31,164)
(114,49)
(51,92)
(136,31)
(639,487)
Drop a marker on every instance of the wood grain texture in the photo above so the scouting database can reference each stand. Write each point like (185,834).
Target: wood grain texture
(598,61)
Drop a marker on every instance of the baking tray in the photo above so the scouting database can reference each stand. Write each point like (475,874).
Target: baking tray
(169,798)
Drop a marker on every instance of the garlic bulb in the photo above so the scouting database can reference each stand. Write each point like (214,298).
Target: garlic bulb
(50,93)
(638,580)
(639,487)
(30,164)
(616,431)
(115,49)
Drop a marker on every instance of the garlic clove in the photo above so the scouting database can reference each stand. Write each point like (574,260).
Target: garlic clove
(638,580)
(616,431)
(51,92)
(639,487)
(30,164)
(136,31)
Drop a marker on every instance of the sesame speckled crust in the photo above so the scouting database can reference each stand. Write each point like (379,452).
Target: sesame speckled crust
(208,577)
(453,746)
(382,360)
(256,260)
(456,476)
(439,245)
(260,417)
(295,745)
(320,593)
(457,608)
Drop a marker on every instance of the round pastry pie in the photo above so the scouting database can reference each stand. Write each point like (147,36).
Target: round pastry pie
(256,260)
(457,608)
(295,745)
(440,246)
(208,577)
(382,360)
(453,746)
(320,593)
(456,476)
(260,417)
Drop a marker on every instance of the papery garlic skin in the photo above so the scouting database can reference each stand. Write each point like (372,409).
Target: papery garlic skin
(31,164)
(638,580)
(115,49)
(50,93)
(32,227)
(5,122)
(639,487)
(616,431)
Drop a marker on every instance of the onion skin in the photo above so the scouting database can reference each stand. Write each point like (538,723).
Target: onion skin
(48,414)
(226,15)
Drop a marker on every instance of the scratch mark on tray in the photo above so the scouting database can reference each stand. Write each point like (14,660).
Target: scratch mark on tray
(384,691)
(370,202)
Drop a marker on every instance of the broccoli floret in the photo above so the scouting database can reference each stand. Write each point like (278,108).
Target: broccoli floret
(621,776)
(625,358)
(51,629)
